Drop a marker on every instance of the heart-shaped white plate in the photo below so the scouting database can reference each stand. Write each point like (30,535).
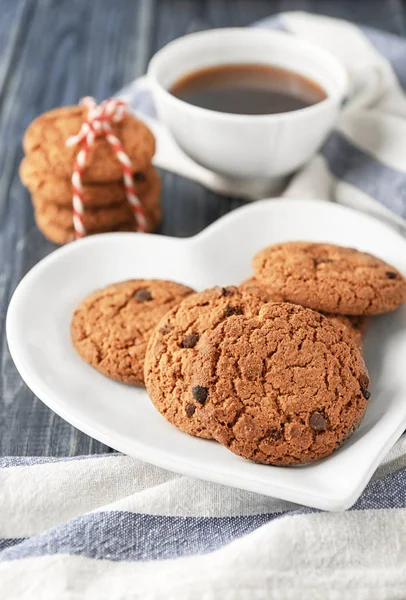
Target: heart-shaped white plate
(123,417)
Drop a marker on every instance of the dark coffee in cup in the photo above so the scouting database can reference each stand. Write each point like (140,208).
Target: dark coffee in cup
(248,89)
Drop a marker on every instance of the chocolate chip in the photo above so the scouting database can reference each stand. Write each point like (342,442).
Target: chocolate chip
(275,434)
(233,310)
(190,341)
(391,275)
(320,260)
(190,410)
(317,421)
(200,393)
(227,291)
(139,176)
(365,393)
(143,295)
(165,329)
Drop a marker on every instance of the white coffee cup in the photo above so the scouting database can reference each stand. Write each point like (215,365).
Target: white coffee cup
(247,146)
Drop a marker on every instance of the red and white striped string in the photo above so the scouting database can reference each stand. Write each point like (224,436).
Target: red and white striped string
(98,122)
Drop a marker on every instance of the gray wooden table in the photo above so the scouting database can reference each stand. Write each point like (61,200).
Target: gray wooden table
(52,52)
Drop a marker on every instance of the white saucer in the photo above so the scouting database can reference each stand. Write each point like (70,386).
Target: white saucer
(123,417)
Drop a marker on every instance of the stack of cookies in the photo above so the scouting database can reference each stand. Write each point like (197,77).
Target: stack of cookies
(272,369)
(48,165)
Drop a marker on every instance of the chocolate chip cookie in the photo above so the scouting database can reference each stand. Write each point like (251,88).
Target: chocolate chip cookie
(111,327)
(252,282)
(58,191)
(330,278)
(45,141)
(285,387)
(56,222)
(173,348)
(354,325)
(93,219)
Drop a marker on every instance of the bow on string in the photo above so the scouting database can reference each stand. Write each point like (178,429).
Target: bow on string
(98,122)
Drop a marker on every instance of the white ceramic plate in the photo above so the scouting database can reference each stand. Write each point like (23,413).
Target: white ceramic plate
(123,417)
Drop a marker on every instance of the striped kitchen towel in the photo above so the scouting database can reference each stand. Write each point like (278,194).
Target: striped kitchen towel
(113,528)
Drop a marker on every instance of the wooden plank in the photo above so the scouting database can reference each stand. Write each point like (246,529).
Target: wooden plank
(195,15)
(53,52)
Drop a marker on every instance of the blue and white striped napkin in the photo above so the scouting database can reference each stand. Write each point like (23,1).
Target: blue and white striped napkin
(113,528)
